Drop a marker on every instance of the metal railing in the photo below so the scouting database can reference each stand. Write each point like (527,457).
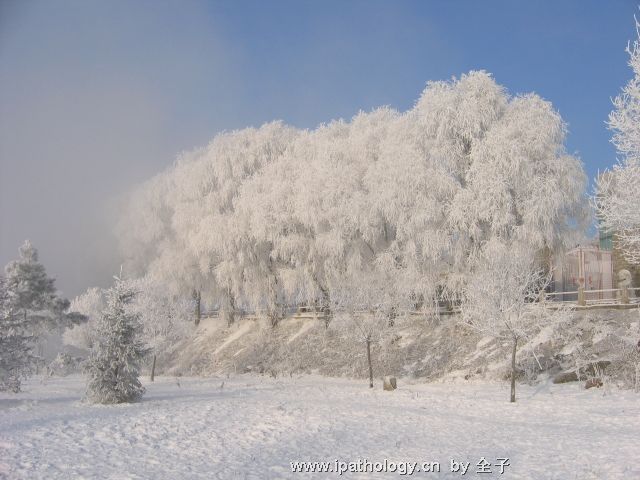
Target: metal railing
(611,297)
(606,298)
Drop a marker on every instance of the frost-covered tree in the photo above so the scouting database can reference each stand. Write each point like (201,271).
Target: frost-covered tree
(369,310)
(269,217)
(32,294)
(196,245)
(616,201)
(501,297)
(241,264)
(618,190)
(114,362)
(517,183)
(31,307)
(17,360)
(164,319)
(90,304)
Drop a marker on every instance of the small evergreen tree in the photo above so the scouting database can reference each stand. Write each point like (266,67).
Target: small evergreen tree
(29,307)
(31,295)
(114,362)
(16,348)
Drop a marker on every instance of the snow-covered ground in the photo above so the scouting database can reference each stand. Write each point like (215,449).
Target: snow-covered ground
(253,427)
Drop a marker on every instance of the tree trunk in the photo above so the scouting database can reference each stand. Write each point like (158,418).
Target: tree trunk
(228,311)
(325,306)
(513,369)
(196,297)
(40,351)
(153,369)
(274,316)
(369,362)
(274,309)
(393,313)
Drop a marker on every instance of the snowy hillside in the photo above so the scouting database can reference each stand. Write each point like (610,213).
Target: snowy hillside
(254,427)
(416,348)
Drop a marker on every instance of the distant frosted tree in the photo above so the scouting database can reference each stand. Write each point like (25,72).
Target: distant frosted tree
(17,360)
(369,308)
(618,190)
(32,294)
(114,362)
(90,304)
(181,226)
(501,296)
(164,319)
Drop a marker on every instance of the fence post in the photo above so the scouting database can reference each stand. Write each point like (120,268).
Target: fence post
(624,295)
(542,296)
(582,301)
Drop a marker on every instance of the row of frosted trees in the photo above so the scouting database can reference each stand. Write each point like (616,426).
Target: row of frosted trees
(390,211)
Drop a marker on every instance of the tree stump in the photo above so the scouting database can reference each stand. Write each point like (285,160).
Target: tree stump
(389,383)
(593,382)
(565,377)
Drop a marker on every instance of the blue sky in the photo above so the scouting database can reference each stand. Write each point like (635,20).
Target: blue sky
(97,96)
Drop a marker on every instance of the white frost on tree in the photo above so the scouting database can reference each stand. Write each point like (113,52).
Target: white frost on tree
(501,297)
(90,304)
(31,306)
(33,296)
(618,190)
(164,320)
(196,245)
(369,311)
(17,360)
(165,317)
(114,362)
(271,217)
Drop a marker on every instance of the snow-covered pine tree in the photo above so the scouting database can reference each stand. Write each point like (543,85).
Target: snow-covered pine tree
(30,307)
(114,362)
(32,295)
(16,348)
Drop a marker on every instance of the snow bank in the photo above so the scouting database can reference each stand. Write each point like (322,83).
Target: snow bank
(415,348)
(253,427)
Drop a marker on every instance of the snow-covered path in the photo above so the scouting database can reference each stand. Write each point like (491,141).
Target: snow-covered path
(253,427)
